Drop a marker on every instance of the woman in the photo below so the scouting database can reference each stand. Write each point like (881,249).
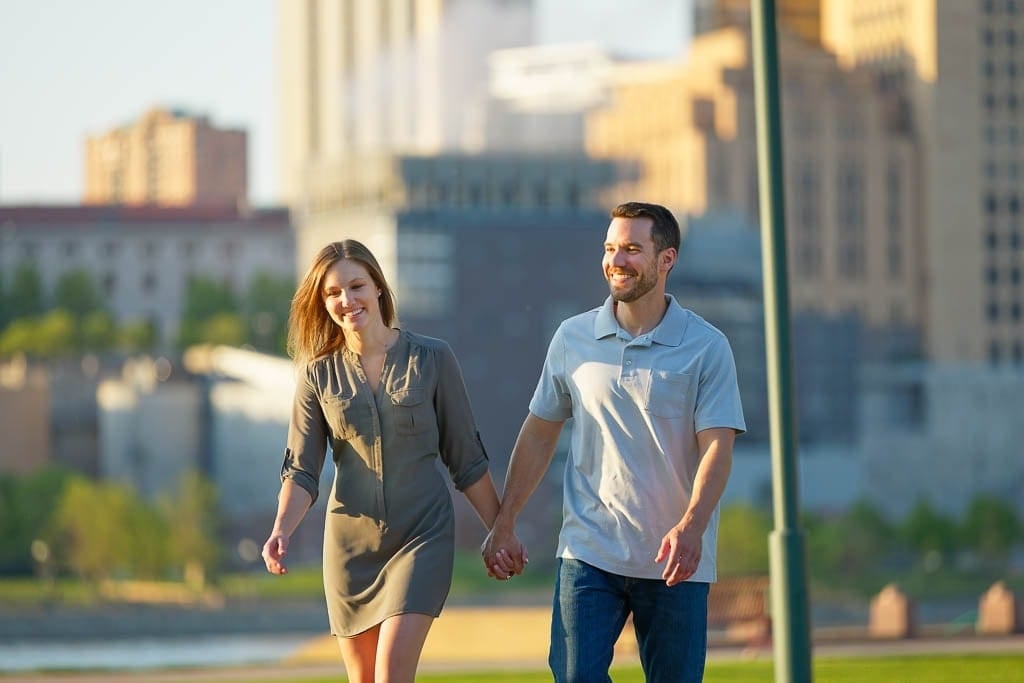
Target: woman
(390,403)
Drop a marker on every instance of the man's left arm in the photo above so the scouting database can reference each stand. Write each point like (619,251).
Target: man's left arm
(681,546)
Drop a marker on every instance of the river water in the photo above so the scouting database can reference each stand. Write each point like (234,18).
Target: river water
(148,653)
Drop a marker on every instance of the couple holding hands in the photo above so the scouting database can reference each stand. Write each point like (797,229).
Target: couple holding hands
(652,391)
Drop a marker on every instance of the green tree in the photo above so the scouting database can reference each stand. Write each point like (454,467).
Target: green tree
(267,305)
(18,337)
(5,303)
(205,298)
(56,334)
(103,530)
(26,505)
(192,517)
(223,328)
(849,544)
(98,332)
(990,527)
(77,293)
(147,534)
(50,336)
(743,540)
(25,297)
(928,532)
(138,336)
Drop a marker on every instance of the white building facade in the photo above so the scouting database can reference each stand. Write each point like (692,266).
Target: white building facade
(142,258)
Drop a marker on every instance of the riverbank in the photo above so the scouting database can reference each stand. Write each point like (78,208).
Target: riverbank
(108,621)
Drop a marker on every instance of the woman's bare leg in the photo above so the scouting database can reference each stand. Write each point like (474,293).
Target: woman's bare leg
(360,655)
(399,647)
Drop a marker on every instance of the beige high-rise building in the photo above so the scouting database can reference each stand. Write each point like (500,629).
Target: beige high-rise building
(360,78)
(853,226)
(167,157)
(961,65)
(800,17)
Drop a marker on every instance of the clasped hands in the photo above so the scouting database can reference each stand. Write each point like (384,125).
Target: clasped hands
(503,554)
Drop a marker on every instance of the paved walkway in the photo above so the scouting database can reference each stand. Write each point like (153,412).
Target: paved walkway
(473,638)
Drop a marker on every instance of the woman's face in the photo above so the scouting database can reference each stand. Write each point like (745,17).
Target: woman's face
(351,296)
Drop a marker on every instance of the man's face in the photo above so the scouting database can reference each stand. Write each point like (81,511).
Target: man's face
(630,263)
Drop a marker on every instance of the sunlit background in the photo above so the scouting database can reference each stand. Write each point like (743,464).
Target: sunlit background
(168,169)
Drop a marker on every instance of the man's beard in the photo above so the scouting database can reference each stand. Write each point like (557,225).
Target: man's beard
(643,283)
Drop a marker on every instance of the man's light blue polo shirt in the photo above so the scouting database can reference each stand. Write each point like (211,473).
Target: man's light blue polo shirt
(637,405)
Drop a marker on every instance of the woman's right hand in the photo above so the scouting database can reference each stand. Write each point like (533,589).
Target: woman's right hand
(274,551)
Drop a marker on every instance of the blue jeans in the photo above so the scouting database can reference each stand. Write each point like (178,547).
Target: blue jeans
(590,609)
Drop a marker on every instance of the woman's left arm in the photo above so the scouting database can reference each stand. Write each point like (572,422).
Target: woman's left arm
(483,496)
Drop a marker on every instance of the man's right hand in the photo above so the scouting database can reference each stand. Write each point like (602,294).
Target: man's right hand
(504,555)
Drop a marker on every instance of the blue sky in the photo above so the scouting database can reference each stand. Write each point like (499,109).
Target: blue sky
(69,68)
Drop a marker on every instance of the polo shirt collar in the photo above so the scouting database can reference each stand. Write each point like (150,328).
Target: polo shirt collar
(669,331)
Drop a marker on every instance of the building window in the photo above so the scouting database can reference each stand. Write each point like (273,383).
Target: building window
(149,282)
(851,260)
(809,259)
(993,311)
(895,261)
(991,205)
(541,195)
(994,355)
(426,274)
(509,194)
(188,249)
(573,195)
(109,284)
(110,249)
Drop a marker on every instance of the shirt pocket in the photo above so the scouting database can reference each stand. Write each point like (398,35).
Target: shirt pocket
(669,394)
(413,413)
(346,415)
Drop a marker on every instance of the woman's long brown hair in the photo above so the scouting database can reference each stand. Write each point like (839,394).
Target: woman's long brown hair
(311,332)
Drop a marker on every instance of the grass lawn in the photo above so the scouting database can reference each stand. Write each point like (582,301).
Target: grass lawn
(982,668)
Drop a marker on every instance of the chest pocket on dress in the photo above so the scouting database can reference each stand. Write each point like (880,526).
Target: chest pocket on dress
(414,414)
(346,415)
(669,394)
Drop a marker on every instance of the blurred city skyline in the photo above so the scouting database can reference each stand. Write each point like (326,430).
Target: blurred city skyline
(81,69)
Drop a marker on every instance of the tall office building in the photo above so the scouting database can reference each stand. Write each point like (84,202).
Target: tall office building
(366,77)
(168,157)
(799,17)
(961,65)
(854,233)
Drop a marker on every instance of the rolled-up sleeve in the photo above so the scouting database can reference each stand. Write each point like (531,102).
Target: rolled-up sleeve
(306,447)
(462,449)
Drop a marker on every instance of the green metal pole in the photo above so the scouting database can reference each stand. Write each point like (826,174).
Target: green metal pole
(789,603)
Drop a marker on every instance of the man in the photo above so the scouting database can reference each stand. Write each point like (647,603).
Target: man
(652,391)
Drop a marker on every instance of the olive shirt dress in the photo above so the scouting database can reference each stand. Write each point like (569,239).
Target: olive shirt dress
(389,537)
